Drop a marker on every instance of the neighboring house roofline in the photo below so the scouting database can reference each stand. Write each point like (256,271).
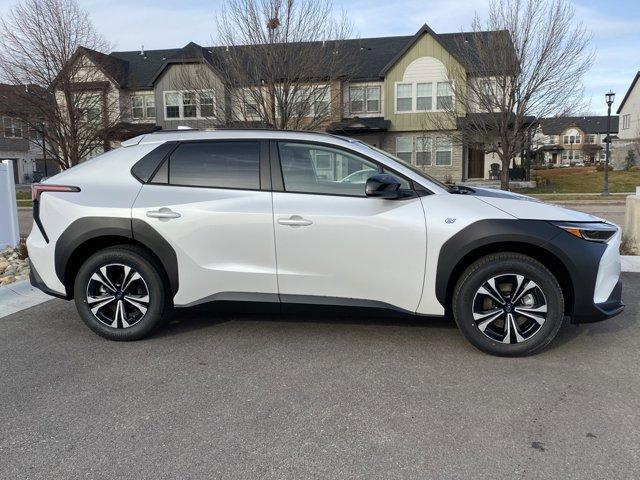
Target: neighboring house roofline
(633,84)
(590,125)
(422,31)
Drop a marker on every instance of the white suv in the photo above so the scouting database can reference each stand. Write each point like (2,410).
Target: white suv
(183,218)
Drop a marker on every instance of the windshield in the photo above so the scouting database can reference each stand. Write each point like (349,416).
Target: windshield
(411,167)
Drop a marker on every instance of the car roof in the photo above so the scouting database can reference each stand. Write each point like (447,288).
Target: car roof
(223,134)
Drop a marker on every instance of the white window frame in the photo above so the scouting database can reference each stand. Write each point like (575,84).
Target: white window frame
(145,105)
(365,98)
(181,103)
(414,96)
(13,125)
(626,121)
(312,106)
(434,148)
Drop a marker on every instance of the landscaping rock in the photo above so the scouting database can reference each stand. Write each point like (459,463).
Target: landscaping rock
(12,267)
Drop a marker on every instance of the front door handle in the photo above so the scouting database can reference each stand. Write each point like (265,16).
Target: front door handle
(164,212)
(295,221)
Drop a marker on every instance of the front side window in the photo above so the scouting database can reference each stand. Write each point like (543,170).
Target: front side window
(309,168)
(404,98)
(443,151)
(206,104)
(445,96)
(172,103)
(626,121)
(373,99)
(356,97)
(216,165)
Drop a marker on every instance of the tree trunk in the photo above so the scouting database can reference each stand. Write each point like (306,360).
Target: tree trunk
(504,174)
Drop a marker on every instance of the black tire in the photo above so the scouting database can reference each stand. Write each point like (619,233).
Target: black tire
(506,270)
(151,281)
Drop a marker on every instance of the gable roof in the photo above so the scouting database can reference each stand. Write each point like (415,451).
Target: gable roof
(626,96)
(113,67)
(19,100)
(374,56)
(590,125)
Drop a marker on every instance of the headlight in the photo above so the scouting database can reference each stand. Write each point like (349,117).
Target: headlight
(592,231)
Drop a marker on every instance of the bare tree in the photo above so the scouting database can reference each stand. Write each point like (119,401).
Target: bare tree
(47,45)
(526,61)
(282,61)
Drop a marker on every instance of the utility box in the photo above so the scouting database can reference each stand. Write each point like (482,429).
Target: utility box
(632,224)
(9,230)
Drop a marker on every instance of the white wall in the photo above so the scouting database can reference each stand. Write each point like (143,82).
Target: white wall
(9,232)
(632,108)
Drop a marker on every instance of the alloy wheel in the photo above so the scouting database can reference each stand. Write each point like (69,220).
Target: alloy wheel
(509,308)
(117,295)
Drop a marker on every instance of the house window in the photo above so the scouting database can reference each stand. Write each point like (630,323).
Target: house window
(143,106)
(626,121)
(189,104)
(373,99)
(321,103)
(568,139)
(356,99)
(404,148)
(591,139)
(364,99)
(423,96)
(423,151)
(445,96)
(404,97)
(443,151)
(12,128)
(552,139)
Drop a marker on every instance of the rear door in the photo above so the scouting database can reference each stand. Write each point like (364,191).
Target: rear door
(211,201)
(335,245)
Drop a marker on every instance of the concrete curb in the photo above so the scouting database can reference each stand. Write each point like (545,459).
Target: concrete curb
(18,296)
(630,263)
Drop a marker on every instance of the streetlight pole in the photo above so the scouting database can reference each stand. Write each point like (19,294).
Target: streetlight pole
(609,99)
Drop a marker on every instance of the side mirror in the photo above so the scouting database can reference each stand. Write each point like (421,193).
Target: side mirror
(382,185)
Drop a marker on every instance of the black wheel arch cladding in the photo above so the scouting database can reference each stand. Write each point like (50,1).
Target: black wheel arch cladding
(580,258)
(138,231)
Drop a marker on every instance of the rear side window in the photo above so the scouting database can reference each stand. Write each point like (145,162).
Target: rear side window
(144,168)
(216,164)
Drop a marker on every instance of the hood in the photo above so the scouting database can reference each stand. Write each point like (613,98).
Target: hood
(528,208)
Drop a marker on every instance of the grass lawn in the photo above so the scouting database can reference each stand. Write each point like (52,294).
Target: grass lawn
(581,180)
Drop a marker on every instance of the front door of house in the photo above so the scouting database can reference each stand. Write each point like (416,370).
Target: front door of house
(476,163)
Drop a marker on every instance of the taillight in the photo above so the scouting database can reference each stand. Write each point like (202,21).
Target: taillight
(38,188)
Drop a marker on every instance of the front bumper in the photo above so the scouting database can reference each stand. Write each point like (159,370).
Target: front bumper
(597,312)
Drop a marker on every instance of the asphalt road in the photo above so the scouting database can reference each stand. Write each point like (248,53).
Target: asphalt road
(610,211)
(284,397)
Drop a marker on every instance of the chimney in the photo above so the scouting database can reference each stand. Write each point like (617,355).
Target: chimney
(142,54)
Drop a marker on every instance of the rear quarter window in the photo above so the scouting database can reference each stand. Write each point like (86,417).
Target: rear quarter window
(216,164)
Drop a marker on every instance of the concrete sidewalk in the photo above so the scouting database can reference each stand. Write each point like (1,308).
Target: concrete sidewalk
(18,296)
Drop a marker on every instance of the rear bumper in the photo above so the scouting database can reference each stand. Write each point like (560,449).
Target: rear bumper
(37,282)
(597,312)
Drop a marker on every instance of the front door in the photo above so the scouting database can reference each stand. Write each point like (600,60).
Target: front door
(206,201)
(476,163)
(334,245)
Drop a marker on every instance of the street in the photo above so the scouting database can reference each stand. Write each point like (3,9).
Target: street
(275,396)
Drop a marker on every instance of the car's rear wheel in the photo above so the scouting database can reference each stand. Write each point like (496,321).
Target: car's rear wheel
(508,304)
(120,294)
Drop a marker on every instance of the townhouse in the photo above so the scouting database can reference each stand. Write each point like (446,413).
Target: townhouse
(629,134)
(397,81)
(565,141)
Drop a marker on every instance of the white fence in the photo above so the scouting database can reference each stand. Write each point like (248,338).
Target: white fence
(9,231)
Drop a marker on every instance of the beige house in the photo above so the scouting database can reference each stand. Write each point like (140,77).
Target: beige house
(629,134)
(399,83)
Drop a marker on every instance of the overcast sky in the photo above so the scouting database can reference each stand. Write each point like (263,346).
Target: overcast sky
(128,24)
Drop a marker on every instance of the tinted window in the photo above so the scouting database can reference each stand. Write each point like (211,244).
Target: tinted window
(309,168)
(149,163)
(216,164)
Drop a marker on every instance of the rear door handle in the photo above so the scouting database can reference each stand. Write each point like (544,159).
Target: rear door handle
(295,221)
(164,212)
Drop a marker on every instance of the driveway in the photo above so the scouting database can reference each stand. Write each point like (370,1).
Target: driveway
(271,396)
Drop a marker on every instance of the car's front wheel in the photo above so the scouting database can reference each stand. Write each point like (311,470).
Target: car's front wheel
(508,304)
(120,294)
